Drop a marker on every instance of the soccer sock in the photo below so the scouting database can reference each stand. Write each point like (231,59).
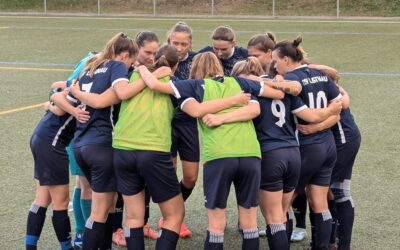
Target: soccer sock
(277,237)
(323,227)
(134,238)
(147,205)
(186,192)
(62,227)
(78,215)
(333,211)
(34,225)
(119,212)
(289,224)
(312,223)
(214,241)
(93,235)
(345,216)
(86,206)
(167,240)
(251,239)
(108,231)
(300,209)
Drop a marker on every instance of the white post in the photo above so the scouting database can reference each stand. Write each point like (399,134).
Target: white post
(154,7)
(45,7)
(212,7)
(98,7)
(273,8)
(337,8)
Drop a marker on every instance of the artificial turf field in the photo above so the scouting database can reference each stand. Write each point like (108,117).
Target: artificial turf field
(37,51)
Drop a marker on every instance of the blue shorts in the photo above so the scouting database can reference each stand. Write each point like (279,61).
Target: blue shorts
(73,165)
(51,163)
(346,155)
(136,169)
(96,163)
(185,141)
(317,162)
(219,174)
(280,169)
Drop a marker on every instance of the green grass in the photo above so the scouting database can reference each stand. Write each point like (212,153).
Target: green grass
(356,47)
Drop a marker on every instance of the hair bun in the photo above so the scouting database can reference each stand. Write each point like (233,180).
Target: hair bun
(297,41)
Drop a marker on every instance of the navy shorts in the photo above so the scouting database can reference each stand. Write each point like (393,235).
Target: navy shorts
(135,169)
(280,169)
(346,155)
(219,174)
(51,163)
(96,163)
(317,162)
(185,140)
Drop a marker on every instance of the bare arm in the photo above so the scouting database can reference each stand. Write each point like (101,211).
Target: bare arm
(61,102)
(125,91)
(319,115)
(289,87)
(331,72)
(97,101)
(244,113)
(268,91)
(60,84)
(195,109)
(316,127)
(153,83)
(345,97)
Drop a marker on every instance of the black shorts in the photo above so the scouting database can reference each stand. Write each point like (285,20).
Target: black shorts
(218,175)
(280,169)
(51,163)
(96,163)
(185,140)
(135,169)
(317,162)
(346,155)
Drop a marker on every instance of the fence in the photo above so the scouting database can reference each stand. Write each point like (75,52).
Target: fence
(270,8)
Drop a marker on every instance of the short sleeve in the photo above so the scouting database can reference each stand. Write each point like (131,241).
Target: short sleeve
(249,86)
(118,72)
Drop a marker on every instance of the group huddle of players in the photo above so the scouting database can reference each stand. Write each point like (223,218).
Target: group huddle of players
(268,120)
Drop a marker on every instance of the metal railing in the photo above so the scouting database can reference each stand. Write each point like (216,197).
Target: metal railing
(263,8)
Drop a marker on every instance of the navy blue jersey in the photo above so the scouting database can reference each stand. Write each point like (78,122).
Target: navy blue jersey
(98,130)
(184,66)
(238,55)
(317,91)
(56,130)
(346,129)
(187,89)
(275,125)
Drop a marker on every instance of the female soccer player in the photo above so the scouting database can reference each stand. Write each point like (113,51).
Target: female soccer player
(48,143)
(224,47)
(348,140)
(280,166)
(185,136)
(318,154)
(92,147)
(231,151)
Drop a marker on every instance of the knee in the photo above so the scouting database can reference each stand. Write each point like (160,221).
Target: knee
(341,191)
(190,181)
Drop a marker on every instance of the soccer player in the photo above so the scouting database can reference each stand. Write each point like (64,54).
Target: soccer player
(92,146)
(48,142)
(280,166)
(185,135)
(318,153)
(224,47)
(231,151)
(348,140)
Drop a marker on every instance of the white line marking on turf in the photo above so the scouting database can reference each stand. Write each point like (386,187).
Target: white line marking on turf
(35,69)
(216,19)
(209,31)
